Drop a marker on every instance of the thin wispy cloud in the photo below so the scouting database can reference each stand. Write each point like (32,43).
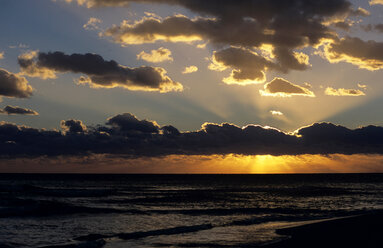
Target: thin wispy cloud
(343,92)
(16,110)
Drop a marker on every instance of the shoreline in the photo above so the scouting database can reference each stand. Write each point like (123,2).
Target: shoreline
(360,231)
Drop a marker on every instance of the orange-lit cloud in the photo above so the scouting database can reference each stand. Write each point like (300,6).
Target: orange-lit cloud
(275,112)
(177,28)
(13,85)
(156,56)
(92,24)
(16,110)
(217,164)
(280,87)
(343,92)
(363,86)
(31,69)
(285,31)
(364,54)
(373,2)
(247,66)
(190,69)
(99,73)
(73,126)
(1,55)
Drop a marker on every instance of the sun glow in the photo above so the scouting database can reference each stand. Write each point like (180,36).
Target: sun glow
(206,164)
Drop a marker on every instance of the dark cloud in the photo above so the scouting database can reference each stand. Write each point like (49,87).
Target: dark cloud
(235,9)
(15,110)
(286,25)
(364,54)
(280,87)
(13,85)
(99,72)
(170,130)
(379,27)
(248,66)
(73,126)
(343,25)
(290,60)
(125,135)
(370,27)
(343,92)
(341,139)
(127,122)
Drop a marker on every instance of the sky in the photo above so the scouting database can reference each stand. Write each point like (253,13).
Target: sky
(191,86)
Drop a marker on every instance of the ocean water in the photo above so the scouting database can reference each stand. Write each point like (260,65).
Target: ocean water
(53,210)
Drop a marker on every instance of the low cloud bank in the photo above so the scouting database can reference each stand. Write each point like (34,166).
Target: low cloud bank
(126,135)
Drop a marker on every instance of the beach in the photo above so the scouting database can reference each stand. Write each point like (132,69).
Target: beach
(362,231)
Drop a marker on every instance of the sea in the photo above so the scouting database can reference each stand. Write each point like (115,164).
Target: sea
(73,210)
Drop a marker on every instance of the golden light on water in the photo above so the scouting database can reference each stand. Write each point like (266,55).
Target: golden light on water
(210,164)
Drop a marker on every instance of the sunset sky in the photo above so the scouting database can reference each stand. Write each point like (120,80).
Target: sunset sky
(191,86)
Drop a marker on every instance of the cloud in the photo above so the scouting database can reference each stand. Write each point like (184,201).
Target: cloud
(363,86)
(198,164)
(343,92)
(379,27)
(275,112)
(73,126)
(92,24)
(150,30)
(20,45)
(371,27)
(99,73)
(247,34)
(290,60)
(126,136)
(333,136)
(374,2)
(13,85)
(361,12)
(1,55)
(248,67)
(346,26)
(15,110)
(30,68)
(364,54)
(129,123)
(280,87)
(286,26)
(190,69)
(156,56)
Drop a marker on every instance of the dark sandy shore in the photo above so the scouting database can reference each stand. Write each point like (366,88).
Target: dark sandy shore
(362,231)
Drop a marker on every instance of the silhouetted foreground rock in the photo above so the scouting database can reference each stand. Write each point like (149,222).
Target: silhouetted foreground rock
(363,231)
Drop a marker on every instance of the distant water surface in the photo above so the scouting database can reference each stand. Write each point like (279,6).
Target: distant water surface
(45,210)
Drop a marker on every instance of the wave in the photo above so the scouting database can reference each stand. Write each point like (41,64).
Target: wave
(33,190)
(231,211)
(6,245)
(36,208)
(139,235)
(89,244)
(218,195)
